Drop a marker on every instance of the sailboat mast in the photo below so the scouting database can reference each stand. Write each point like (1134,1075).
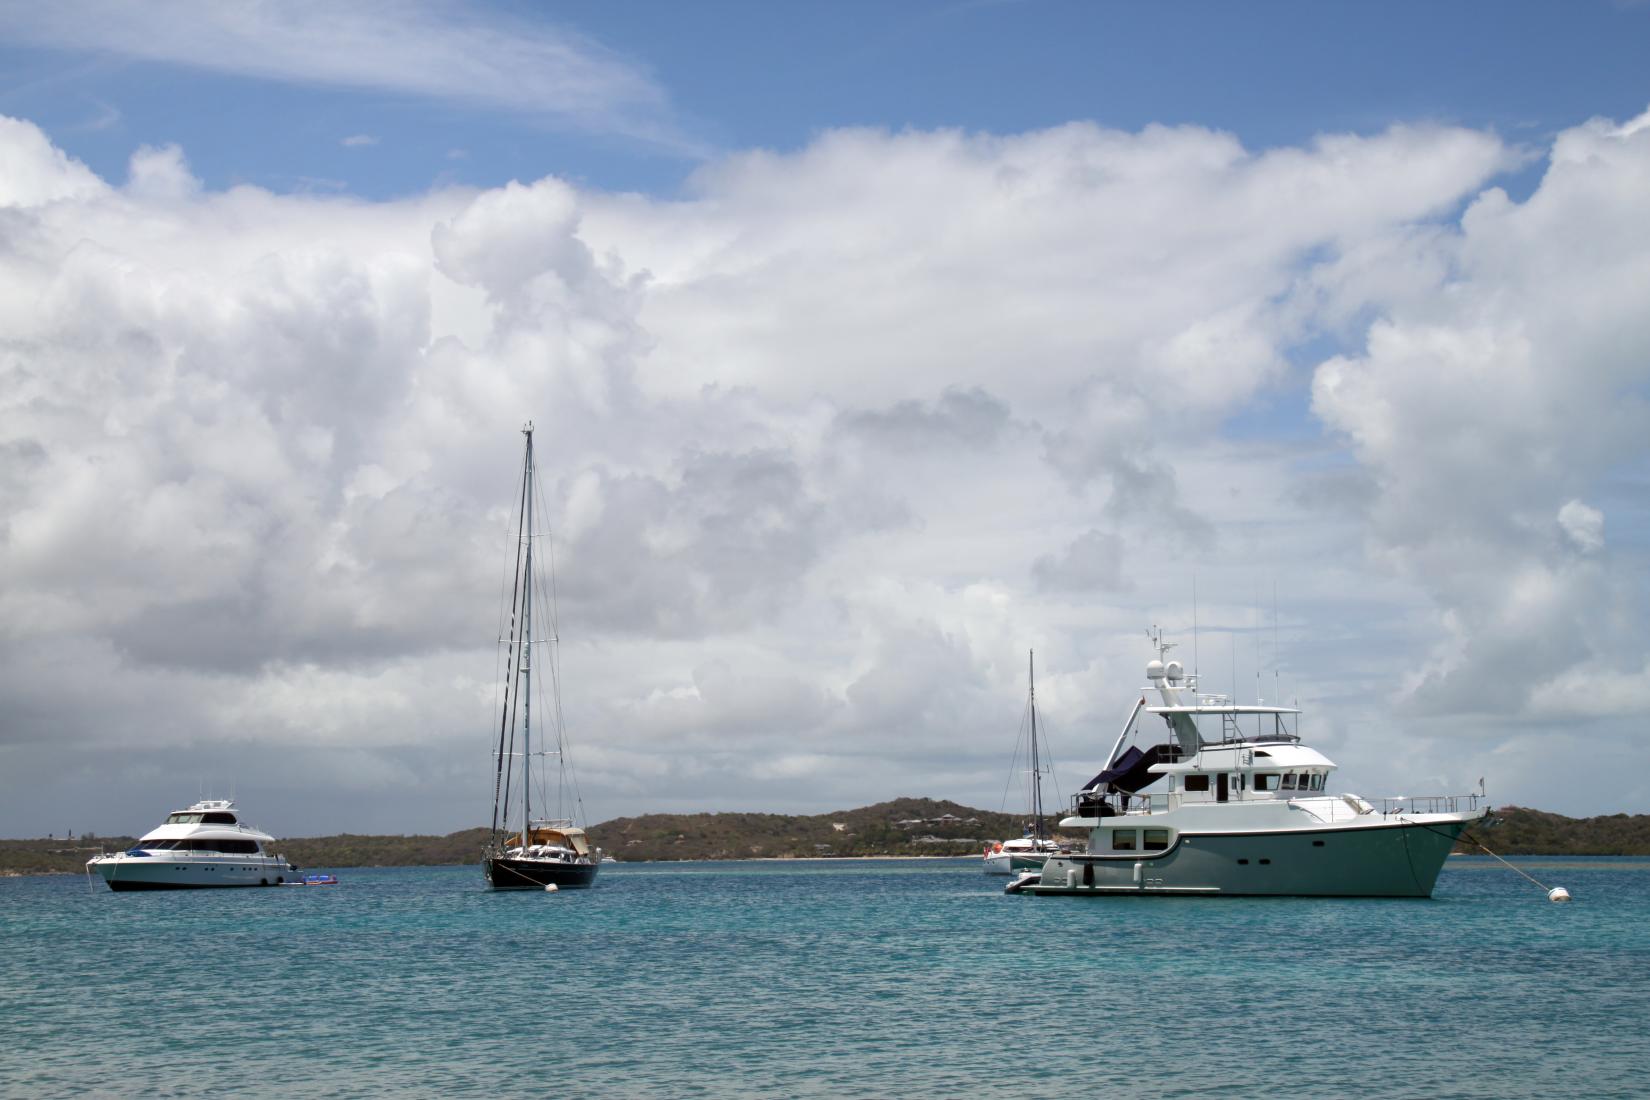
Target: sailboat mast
(506,719)
(1036,767)
(527,655)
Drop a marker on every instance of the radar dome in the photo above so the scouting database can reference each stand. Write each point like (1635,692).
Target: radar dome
(1174,671)
(1154,670)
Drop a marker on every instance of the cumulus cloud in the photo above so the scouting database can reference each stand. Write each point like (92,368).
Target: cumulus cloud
(1093,562)
(1490,395)
(825,446)
(1583,526)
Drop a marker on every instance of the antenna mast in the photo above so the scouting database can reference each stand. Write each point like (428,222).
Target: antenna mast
(527,656)
(1036,767)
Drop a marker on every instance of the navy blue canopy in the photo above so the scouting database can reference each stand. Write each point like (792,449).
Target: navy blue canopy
(1132,770)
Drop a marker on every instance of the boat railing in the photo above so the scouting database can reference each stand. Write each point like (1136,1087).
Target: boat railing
(1430,803)
(1117,804)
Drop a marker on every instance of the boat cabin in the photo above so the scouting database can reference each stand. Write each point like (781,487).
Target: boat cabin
(546,836)
(1218,751)
(216,811)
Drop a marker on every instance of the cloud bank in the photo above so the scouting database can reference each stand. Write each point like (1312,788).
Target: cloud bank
(827,443)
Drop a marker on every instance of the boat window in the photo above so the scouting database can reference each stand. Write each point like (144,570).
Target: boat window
(1122,840)
(1266,781)
(1197,782)
(1317,781)
(183,819)
(1155,840)
(1288,781)
(218,819)
(157,845)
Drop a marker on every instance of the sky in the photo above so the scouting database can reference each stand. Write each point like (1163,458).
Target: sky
(869,347)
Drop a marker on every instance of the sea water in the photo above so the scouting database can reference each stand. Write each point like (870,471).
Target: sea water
(824,978)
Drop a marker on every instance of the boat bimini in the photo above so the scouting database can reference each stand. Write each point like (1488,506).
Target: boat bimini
(203,846)
(1241,807)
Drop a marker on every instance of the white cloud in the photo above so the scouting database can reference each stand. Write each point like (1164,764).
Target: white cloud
(827,446)
(467,53)
(358,141)
(1488,396)
(1582,525)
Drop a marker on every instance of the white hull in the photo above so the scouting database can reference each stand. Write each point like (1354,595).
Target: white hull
(124,871)
(1014,862)
(1377,855)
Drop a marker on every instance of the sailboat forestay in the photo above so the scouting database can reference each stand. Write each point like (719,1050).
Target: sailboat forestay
(540,853)
(1031,851)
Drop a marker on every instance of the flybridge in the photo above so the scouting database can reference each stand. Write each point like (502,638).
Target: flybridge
(1222,708)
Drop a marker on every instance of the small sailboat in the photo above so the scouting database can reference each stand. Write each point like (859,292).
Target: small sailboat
(1031,851)
(540,853)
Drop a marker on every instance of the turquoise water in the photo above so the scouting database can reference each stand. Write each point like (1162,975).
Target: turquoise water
(791,979)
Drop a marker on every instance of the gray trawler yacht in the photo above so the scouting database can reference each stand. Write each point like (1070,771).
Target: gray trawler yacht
(1241,807)
(542,853)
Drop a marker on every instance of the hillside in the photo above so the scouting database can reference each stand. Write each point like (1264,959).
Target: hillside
(1520,831)
(903,827)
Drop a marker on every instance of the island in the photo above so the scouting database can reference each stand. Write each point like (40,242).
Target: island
(904,827)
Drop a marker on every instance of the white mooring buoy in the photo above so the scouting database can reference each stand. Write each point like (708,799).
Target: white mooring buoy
(550,888)
(1558,893)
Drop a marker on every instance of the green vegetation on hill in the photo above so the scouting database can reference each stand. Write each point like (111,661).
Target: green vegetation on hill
(54,857)
(353,850)
(1519,831)
(903,827)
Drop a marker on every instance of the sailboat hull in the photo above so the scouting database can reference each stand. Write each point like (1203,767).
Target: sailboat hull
(1012,863)
(509,873)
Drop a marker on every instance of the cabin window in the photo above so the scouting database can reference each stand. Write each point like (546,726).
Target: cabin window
(1154,840)
(1288,781)
(1122,840)
(1317,781)
(1266,781)
(218,819)
(1197,783)
(1171,784)
(183,819)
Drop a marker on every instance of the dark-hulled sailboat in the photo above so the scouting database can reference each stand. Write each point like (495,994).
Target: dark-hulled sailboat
(540,852)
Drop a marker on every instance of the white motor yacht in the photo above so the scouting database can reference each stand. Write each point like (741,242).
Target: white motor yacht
(1234,804)
(203,846)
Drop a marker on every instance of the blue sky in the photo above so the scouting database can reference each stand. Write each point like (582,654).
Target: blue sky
(870,345)
(754,75)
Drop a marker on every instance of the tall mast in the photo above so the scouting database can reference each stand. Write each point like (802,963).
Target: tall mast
(1036,769)
(527,655)
(506,721)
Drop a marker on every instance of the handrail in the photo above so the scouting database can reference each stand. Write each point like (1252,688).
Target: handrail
(1084,804)
(1430,803)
